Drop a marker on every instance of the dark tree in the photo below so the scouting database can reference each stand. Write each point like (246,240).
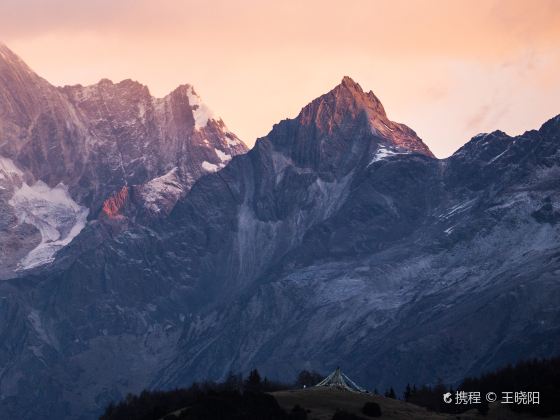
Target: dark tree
(407,392)
(308,378)
(234,382)
(253,381)
(390,393)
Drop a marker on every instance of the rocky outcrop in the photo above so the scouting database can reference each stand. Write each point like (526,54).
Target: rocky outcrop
(139,137)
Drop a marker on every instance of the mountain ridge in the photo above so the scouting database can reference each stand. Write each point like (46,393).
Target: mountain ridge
(328,243)
(93,141)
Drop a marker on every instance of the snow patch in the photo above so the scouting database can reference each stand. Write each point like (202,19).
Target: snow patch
(232,142)
(224,157)
(384,153)
(165,188)
(53,212)
(210,167)
(201,112)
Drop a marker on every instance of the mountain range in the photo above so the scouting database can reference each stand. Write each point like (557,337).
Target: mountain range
(143,246)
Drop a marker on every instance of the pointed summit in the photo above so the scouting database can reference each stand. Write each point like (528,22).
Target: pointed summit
(348,81)
(350,86)
(348,112)
(346,102)
(352,89)
(341,130)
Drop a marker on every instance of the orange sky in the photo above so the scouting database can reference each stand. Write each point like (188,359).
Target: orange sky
(448,69)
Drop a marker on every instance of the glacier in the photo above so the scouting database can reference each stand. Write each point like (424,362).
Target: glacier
(54,213)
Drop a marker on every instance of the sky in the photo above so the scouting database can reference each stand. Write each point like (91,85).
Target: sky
(447,69)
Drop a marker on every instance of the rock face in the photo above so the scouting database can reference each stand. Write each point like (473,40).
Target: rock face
(139,137)
(338,240)
(95,142)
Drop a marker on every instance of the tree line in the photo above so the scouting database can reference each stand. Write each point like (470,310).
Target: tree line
(237,397)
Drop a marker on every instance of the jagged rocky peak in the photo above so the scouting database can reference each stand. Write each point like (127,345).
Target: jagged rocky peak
(124,90)
(348,106)
(344,128)
(346,102)
(155,135)
(498,149)
(203,117)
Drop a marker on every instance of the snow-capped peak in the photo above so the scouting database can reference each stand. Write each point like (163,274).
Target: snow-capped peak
(201,112)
